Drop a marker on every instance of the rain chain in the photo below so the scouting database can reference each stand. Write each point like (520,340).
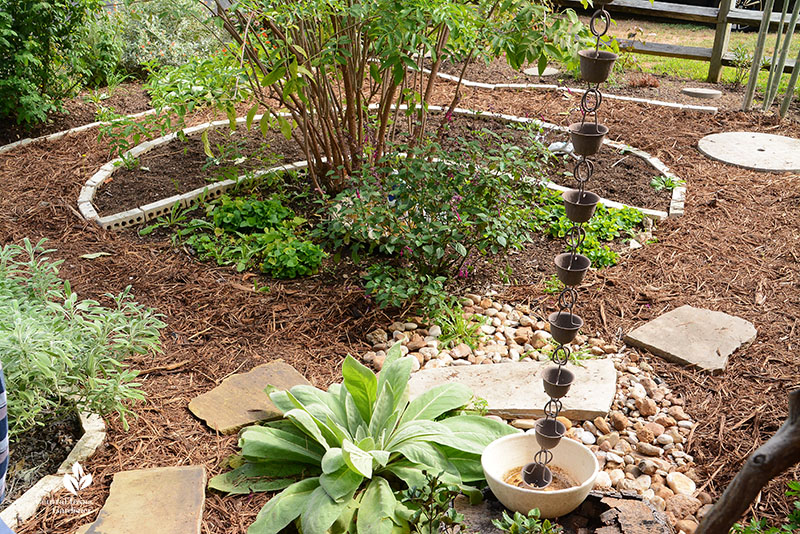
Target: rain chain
(587,138)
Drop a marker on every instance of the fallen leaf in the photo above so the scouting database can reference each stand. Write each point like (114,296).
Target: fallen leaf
(95,255)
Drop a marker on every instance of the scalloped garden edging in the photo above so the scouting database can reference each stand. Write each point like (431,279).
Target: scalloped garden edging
(25,506)
(553,87)
(58,135)
(153,210)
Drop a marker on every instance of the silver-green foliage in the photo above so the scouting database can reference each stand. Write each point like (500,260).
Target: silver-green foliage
(342,456)
(59,352)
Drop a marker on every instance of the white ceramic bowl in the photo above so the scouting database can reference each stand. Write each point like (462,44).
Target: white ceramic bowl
(516,450)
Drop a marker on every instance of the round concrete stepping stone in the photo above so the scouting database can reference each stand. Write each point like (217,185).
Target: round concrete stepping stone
(755,151)
(534,71)
(702,93)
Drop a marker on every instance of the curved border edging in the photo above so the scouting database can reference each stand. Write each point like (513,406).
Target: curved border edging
(26,505)
(492,86)
(161,207)
(63,133)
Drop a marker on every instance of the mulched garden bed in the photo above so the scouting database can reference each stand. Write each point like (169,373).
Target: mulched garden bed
(179,167)
(39,452)
(126,99)
(732,251)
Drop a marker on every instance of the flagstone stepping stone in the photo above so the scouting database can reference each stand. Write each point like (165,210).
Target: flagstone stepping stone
(167,500)
(694,336)
(515,390)
(703,93)
(755,151)
(240,400)
(534,71)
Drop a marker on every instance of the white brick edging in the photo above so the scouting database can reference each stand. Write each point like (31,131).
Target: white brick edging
(58,135)
(25,506)
(553,87)
(159,208)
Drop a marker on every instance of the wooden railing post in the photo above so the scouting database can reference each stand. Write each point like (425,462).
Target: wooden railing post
(722,37)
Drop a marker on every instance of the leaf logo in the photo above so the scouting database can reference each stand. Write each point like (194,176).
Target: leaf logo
(77,480)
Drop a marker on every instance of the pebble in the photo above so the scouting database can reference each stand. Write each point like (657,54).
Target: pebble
(685,424)
(415,365)
(588,438)
(435,331)
(686,525)
(603,481)
(618,420)
(524,424)
(648,450)
(681,484)
(665,439)
(377,336)
(564,421)
(613,457)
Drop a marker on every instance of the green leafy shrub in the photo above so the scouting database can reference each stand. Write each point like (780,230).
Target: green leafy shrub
(249,214)
(433,502)
(61,353)
(760,526)
(666,182)
(40,55)
(607,224)
(530,524)
(250,234)
(343,456)
(430,210)
(163,32)
(99,53)
(200,80)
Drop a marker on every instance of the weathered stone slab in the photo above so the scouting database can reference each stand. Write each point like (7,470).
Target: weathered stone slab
(515,390)
(694,336)
(240,399)
(167,500)
(703,93)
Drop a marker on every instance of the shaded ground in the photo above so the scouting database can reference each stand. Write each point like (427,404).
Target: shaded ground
(734,251)
(126,99)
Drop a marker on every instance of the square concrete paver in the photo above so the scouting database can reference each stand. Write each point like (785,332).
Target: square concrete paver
(516,390)
(240,400)
(167,500)
(694,336)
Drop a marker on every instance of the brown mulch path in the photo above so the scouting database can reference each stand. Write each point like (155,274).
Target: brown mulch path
(733,251)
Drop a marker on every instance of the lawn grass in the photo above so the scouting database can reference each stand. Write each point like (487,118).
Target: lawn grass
(693,35)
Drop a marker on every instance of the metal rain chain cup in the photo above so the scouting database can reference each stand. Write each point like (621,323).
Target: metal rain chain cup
(587,138)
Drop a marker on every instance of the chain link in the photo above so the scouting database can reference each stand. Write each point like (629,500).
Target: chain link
(591,101)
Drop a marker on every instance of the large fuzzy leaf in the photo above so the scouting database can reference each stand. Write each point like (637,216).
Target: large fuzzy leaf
(394,375)
(377,508)
(426,454)
(342,482)
(321,511)
(354,419)
(308,424)
(285,507)
(254,477)
(320,404)
(467,464)
(264,443)
(333,460)
(472,433)
(416,431)
(357,459)
(384,409)
(362,385)
(437,401)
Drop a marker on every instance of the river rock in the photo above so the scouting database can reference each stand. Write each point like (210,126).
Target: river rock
(681,484)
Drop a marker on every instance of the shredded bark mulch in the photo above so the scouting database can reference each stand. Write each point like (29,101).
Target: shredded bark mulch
(733,251)
(126,99)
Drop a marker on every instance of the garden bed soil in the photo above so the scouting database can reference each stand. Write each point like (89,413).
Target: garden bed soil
(732,251)
(39,452)
(179,167)
(127,99)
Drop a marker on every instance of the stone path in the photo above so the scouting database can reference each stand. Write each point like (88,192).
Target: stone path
(166,500)
(694,336)
(755,151)
(514,391)
(240,400)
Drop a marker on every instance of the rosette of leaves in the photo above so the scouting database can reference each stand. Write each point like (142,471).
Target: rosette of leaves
(343,456)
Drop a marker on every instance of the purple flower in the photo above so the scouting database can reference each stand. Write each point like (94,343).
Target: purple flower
(358,194)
